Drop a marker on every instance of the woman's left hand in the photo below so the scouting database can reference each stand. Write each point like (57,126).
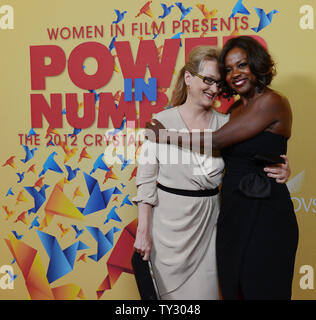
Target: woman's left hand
(281,172)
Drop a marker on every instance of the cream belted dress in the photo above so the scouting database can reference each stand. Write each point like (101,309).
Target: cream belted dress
(183,228)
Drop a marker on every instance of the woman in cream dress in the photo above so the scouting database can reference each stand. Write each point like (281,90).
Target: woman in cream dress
(178,231)
(183,227)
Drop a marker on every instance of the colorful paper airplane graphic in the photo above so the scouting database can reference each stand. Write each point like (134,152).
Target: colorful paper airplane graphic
(239,8)
(59,204)
(61,261)
(31,266)
(120,258)
(105,241)
(265,19)
(98,199)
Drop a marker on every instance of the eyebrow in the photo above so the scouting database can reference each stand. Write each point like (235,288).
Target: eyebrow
(211,76)
(237,61)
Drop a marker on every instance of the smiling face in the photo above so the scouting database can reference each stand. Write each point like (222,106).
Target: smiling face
(198,92)
(238,73)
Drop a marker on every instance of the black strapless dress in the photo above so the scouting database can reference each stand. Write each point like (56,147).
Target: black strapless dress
(257,231)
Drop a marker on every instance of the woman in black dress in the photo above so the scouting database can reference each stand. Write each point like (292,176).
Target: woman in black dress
(257,229)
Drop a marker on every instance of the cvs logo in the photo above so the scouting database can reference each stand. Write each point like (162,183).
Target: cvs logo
(304,204)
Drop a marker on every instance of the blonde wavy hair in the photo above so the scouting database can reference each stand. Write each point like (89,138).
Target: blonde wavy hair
(197,56)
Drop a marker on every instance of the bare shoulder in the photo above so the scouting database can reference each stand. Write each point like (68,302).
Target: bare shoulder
(272,100)
(275,108)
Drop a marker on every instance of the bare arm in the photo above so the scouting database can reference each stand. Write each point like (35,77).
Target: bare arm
(245,126)
(267,110)
(260,116)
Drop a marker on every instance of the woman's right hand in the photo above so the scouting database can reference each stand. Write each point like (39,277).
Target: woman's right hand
(156,132)
(143,243)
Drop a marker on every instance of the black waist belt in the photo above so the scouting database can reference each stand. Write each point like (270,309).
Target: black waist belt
(189,193)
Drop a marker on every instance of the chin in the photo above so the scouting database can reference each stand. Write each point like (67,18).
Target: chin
(207,106)
(241,91)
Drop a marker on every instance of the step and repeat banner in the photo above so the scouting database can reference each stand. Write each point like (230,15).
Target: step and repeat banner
(79,80)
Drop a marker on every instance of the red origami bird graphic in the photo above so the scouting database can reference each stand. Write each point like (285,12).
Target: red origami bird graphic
(31,168)
(110,175)
(21,217)
(39,183)
(120,258)
(133,174)
(84,154)
(146,10)
(82,258)
(10,162)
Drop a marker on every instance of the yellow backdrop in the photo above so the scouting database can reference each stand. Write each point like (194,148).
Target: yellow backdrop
(88,272)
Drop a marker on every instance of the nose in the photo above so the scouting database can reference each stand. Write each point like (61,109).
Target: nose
(235,73)
(214,87)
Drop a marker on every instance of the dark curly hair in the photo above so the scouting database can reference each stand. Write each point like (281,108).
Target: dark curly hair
(260,62)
